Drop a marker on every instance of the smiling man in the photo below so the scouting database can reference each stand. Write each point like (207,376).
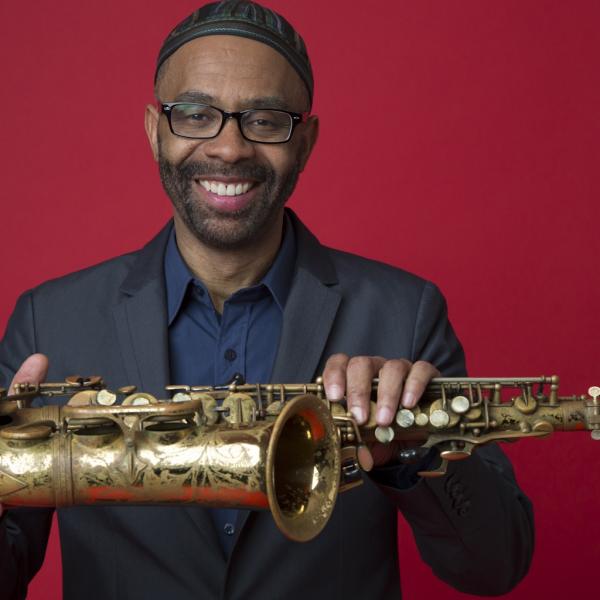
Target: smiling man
(229,190)
(237,286)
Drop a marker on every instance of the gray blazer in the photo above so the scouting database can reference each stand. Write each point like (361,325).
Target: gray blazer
(474,527)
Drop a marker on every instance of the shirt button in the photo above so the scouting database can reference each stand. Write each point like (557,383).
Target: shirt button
(229,529)
(230,354)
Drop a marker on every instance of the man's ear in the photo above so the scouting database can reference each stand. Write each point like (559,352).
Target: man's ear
(310,135)
(151,117)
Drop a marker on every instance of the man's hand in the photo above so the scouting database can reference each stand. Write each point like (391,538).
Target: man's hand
(400,382)
(33,370)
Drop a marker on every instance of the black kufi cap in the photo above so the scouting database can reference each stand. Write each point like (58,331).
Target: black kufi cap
(245,19)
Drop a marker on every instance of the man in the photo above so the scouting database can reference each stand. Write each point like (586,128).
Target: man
(237,285)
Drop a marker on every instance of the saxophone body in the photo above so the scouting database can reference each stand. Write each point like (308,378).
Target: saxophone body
(284,447)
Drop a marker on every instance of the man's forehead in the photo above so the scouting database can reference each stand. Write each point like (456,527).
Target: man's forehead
(218,65)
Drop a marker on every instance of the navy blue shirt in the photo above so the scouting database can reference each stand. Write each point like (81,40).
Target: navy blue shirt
(208,348)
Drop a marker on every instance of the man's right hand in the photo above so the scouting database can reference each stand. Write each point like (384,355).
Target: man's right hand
(33,370)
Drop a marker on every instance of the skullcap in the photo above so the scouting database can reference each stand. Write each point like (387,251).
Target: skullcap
(245,19)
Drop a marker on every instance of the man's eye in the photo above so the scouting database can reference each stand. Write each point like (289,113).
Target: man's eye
(265,121)
(262,123)
(194,116)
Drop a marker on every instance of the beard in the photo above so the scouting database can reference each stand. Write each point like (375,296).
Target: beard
(231,230)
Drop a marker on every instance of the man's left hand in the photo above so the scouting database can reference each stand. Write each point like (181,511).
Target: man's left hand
(401,382)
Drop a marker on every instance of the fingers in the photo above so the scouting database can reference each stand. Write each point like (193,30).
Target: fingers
(391,382)
(418,378)
(401,379)
(334,376)
(33,370)
(359,384)
(400,382)
(352,377)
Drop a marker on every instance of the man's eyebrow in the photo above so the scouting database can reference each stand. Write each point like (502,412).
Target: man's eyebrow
(258,102)
(266,102)
(195,96)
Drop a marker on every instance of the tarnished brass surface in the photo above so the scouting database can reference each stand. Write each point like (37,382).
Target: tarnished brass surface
(282,447)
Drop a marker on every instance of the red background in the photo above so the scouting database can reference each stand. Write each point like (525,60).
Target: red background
(479,171)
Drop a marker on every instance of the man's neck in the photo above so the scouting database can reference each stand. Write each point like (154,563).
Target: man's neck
(224,272)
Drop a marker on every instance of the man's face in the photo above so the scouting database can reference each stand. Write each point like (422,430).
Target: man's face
(233,74)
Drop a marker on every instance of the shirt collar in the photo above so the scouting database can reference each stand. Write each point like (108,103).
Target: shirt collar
(277,280)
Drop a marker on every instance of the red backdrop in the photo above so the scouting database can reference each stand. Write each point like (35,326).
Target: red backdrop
(480,172)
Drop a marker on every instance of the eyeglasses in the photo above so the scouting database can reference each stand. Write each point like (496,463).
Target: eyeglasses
(201,122)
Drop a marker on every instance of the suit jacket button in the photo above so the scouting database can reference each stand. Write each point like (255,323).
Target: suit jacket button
(457,489)
(464,509)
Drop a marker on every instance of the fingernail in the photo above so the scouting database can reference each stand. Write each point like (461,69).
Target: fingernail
(409,400)
(384,415)
(335,392)
(358,413)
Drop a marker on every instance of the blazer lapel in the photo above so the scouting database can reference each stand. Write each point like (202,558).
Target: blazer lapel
(309,312)
(141,321)
(307,320)
(142,333)
(308,317)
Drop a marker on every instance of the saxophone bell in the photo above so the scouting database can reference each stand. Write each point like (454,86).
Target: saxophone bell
(303,468)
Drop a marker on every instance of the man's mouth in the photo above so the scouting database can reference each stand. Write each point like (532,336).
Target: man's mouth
(227,195)
(226,189)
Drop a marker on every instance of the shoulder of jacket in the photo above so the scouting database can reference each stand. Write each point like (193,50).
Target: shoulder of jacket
(106,275)
(353,268)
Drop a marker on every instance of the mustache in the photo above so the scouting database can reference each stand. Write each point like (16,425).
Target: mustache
(193,170)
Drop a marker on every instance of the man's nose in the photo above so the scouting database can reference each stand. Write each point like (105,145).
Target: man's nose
(230,146)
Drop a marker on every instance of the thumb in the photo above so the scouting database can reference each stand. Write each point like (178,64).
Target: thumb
(365,458)
(33,370)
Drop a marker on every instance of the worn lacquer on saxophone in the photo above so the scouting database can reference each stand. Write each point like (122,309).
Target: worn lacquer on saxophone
(279,447)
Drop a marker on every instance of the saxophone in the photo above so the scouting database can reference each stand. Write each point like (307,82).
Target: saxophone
(282,447)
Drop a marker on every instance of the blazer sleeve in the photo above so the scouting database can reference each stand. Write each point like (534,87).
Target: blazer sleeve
(473,527)
(23,531)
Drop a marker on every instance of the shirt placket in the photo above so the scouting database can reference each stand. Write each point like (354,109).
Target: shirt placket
(230,351)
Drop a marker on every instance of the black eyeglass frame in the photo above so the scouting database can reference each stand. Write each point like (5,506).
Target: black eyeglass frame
(297,118)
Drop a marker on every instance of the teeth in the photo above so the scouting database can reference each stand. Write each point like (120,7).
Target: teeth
(230,189)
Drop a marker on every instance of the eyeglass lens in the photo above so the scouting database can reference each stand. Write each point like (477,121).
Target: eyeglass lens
(201,121)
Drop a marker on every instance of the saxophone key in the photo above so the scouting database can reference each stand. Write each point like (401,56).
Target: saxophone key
(384,434)
(421,419)
(460,405)
(405,417)
(439,418)
(106,398)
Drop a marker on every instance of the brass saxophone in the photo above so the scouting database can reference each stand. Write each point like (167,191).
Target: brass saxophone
(282,447)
